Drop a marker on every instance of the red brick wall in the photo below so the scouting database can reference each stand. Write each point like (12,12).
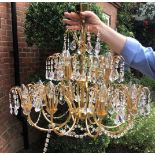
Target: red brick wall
(111,10)
(29,57)
(10,128)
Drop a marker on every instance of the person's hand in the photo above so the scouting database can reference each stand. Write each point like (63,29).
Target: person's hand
(115,40)
(92,21)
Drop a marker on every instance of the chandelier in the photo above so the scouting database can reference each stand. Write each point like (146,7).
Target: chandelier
(85,94)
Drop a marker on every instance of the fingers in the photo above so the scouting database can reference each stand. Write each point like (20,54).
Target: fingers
(70,22)
(87,14)
(73,27)
(73,16)
(89,28)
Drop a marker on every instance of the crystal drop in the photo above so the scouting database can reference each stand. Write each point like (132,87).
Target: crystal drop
(73,45)
(14,96)
(47,140)
(48,135)
(62,102)
(38,105)
(17,104)
(45,149)
(60,98)
(113,75)
(40,82)
(97,48)
(11,111)
(64,53)
(51,75)
(67,53)
(78,51)
(117,121)
(24,88)
(47,77)
(15,110)
(46,144)
(89,48)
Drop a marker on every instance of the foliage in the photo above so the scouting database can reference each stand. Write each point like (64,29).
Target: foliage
(144,80)
(125,22)
(148,82)
(130,77)
(141,138)
(146,10)
(36,77)
(145,23)
(44,25)
(74,145)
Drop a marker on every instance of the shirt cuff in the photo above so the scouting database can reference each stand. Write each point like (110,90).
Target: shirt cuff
(130,49)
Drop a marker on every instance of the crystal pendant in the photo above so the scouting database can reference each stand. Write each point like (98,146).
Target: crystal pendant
(117,120)
(51,75)
(38,105)
(111,111)
(11,110)
(15,110)
(67,53)
(50,89)
(97,48)
(17,103)
(61,100)
(89,48)
(64,53)
(73,45)
(114,75)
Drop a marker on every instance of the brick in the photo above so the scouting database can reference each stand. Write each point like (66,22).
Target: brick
(3,32)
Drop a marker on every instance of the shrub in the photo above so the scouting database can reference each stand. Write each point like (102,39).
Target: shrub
(44,25)
(74,145)
(140,139)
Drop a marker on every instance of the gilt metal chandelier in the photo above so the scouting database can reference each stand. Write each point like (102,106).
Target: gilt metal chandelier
(85,94)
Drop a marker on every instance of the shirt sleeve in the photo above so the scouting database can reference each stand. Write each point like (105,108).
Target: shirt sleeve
(139,57)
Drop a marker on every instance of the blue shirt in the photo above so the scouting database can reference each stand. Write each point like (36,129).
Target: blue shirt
(139,57)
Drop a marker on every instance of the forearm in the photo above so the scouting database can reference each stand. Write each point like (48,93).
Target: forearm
(115,40)
(134,54)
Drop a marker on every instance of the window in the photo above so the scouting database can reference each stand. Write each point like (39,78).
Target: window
(107,18)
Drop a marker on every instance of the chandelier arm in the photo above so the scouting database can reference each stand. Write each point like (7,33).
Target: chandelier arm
(38,118)
(91,120)
(44,114)
(99,124)
(89,132)
(75,121)
(119,132)
(59,125)
(58,117)
(56,129)
(36,126)
(112,133)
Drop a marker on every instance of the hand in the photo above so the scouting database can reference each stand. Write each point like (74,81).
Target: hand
(115,40)
(92,21)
